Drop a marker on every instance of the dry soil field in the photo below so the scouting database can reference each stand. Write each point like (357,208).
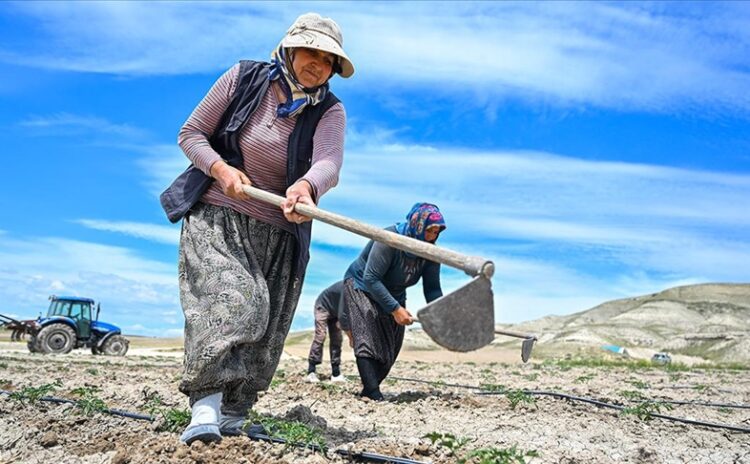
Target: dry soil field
(509,428)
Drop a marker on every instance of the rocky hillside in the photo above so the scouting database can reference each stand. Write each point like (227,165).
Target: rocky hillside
(702,322)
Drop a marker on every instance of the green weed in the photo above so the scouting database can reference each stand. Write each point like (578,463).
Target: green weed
(330,388)
(291,431)
(493,388)
(633,395)
(174,419)
(89,403)
(279,378)
(639,384)
(584,378)
(517,397)
(447,440)
(92,371)
(34,394)
(511,455)
(645,410)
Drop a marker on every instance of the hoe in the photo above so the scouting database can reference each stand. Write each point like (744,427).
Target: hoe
(463,320)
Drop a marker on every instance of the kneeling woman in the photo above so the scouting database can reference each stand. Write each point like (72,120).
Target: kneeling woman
(374,310)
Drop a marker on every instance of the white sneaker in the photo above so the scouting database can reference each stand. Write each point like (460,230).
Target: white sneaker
(312,377)
(338,378)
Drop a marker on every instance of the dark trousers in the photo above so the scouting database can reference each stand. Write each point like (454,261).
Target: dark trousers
(325,321)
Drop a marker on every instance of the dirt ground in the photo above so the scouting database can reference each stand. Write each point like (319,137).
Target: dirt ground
(559,431)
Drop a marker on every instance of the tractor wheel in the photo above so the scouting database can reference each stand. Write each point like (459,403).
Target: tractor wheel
(56,339)
(32,345)
(116,345)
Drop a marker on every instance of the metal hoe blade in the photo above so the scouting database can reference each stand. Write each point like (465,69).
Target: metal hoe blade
(463,320)
(526,348)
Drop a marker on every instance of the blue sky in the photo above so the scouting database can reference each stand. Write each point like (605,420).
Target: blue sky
(591,150)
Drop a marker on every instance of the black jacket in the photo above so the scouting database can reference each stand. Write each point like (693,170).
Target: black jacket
(189,187)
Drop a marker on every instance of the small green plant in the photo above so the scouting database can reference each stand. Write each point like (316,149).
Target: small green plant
(511,455)
(645,411)
(633,395)
(173,419)
(532,377)
(584,378)
(447,440)
(279,378)
(89,403)
(276,382)
(725,410)
(674,376)
(34,394)
(701,388)
(639,384)
(493,388)
(330,388)
(291,431)
(92,371)
(3,365)
(517,397)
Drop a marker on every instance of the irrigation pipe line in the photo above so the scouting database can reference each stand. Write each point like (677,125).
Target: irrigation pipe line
(677,402)
(114,412)
(359,456)
(708,404)
(733,428)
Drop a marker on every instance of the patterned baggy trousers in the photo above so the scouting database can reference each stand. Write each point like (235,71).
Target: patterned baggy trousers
(239,289)
(376,335)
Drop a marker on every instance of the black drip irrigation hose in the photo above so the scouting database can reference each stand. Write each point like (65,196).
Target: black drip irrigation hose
(358,456)
(707,404)
(114,412)
(734,428)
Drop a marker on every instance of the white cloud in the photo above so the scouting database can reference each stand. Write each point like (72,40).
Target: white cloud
(645,56)
(158,233)
(66,124)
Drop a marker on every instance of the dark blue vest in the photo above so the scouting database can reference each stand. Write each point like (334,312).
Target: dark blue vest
(189,187)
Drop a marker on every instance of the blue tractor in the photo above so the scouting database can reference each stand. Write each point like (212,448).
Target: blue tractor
(69,325)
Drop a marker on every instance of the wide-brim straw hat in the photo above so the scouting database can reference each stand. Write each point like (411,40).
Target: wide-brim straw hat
(314,31)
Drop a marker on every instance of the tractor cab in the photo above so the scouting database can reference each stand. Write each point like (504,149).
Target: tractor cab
(77,309)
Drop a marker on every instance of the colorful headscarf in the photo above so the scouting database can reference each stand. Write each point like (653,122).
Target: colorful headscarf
(421,216)
(297,97)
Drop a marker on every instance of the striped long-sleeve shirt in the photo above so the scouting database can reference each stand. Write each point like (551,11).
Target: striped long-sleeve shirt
(263,142)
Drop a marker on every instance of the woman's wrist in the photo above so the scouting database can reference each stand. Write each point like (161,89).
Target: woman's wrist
(217,168)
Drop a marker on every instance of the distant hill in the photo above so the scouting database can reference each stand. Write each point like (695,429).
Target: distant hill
(706,321)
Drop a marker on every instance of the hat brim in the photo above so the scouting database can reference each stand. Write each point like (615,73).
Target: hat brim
(317,41)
